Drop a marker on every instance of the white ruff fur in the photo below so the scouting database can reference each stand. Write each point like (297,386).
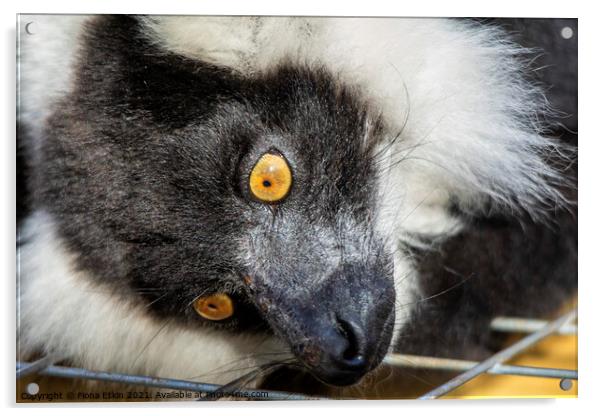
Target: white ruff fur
(453,93)
(61,312)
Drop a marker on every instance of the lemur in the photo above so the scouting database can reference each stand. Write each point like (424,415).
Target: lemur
(207,195)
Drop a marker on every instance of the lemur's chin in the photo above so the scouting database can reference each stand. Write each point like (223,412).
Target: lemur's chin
(344,332)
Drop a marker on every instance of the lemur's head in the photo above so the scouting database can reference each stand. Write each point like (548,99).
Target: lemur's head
(248,201)
(243,175)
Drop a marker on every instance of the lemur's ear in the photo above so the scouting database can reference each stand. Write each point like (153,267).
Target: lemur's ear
(129,70)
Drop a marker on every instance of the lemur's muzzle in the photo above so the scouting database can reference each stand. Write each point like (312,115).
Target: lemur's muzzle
(340,327)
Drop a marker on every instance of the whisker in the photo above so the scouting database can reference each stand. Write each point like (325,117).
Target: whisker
(242,381)
(216,371)
(149,343)
(441,293)
(148,305)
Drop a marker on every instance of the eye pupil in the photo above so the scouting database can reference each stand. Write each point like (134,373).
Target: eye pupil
(267,183)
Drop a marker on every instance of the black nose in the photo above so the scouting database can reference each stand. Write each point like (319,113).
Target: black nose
(340,356)
(350,346)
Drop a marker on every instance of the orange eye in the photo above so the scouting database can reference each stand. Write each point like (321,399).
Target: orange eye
(271,178)
(215,307)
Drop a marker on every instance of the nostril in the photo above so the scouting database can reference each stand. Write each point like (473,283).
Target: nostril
(353,354)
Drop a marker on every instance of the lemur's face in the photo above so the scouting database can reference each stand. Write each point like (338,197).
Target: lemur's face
(183,180)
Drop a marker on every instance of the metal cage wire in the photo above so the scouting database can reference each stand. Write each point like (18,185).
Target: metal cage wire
(535,330)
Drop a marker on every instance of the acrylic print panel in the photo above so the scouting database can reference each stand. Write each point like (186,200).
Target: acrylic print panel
(276,208)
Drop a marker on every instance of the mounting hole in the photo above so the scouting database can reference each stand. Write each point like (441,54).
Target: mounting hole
(32,388)
(566,384)
(566,32)
(30,28)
